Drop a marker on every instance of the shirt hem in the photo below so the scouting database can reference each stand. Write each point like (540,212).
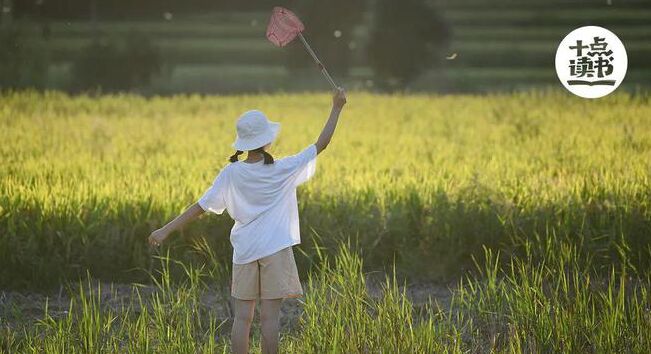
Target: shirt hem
(208,209)
(270,253)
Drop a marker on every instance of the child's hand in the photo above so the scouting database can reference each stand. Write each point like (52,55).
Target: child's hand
(339,98)
(157,237)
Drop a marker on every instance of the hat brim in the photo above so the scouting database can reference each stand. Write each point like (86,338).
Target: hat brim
(246,144)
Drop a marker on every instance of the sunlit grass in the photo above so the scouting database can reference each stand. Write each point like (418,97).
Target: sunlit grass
(418,178)
(552,306)
(537,201)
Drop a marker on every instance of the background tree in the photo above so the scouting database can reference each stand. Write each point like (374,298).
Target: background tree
(23,64)
(408,37)
(114,65)
(329,28)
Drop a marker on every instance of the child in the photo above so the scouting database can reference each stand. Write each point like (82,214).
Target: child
(260,195)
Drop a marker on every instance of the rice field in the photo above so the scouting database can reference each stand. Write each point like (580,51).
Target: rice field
(533,206)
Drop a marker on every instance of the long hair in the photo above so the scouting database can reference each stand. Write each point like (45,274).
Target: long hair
(268,159)
(233,157)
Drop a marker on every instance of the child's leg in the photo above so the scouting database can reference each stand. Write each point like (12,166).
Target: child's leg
(244,310)
(270,323)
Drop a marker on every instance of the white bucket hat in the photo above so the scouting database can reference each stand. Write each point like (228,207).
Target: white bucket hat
(254,130)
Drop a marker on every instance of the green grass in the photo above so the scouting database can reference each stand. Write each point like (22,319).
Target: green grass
(543,4)
(550,33)
(537,16)
(556,304)
(420,177)
(156,28)
(535,205)
(203,64)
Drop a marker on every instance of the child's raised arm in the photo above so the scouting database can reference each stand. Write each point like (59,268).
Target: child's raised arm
(338,102)
(157,237)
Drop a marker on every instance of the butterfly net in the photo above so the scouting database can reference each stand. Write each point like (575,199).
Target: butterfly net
(283,26)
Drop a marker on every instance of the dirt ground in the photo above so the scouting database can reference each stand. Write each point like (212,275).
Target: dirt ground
(23,308)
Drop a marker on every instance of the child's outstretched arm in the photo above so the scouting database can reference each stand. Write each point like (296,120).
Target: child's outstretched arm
(157,237)
(338,102)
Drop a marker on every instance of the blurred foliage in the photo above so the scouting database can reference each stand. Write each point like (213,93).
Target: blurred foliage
(22,64)
(114,9)
(120,9)
(105,64)
(328,30)
(408,38)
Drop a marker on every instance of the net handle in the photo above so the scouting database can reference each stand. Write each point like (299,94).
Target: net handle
(317,61)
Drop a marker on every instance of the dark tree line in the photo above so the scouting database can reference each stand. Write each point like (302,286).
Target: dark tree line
(130,9)
(409,37)
(406,37)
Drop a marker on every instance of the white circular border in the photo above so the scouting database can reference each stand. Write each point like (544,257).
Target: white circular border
(564,54)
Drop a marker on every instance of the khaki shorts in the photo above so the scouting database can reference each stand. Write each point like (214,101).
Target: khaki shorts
(271,277)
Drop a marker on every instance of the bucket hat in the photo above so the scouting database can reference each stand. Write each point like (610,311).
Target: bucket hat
(254,130)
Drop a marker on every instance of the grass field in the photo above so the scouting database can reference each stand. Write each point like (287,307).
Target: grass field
(536,205)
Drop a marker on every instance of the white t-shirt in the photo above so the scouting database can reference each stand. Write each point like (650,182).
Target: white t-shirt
(262,201)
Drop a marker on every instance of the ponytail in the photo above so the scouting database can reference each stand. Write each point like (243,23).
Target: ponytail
(268,159)
(233,157)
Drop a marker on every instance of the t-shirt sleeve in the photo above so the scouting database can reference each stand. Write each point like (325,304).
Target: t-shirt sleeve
(214,199)
(303,164)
